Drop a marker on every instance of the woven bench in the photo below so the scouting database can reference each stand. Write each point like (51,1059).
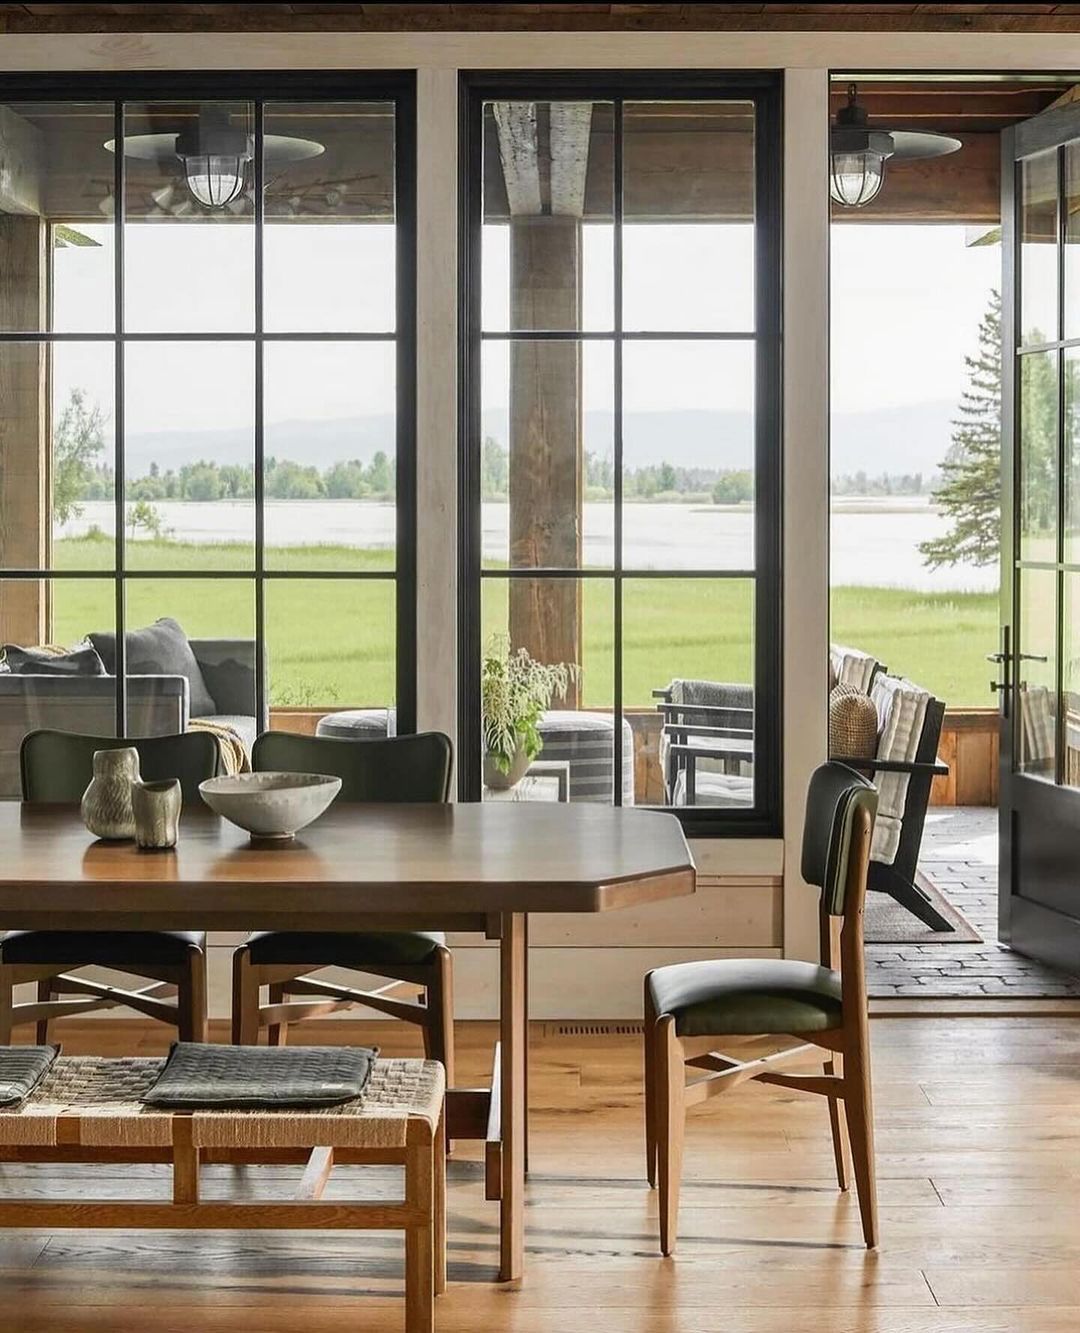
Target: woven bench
(88,1109)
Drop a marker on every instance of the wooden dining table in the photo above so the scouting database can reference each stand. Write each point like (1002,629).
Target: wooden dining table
(468,867)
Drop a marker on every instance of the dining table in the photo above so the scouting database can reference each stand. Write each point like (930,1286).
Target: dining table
(470,867)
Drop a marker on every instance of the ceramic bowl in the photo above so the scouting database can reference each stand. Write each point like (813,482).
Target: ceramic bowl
(270,805)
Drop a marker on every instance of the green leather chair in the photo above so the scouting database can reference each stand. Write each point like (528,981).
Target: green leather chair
(56,767)
(400,769)
(689,1005)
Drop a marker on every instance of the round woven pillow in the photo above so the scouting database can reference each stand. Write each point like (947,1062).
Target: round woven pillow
(853,723)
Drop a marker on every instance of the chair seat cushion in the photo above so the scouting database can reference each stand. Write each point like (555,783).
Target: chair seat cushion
(744,997)
(313,948)
(112,948)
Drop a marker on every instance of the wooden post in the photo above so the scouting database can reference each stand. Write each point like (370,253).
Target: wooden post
(25,511)
(546,457)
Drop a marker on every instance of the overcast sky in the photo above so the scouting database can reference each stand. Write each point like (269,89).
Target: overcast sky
(906,303)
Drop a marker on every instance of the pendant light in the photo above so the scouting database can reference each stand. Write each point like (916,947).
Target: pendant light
(858,154)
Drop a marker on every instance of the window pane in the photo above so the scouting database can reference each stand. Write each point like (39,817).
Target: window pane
(688,455)
(330,644)
(56,208)
(1072,455)
(1070,684)
(688,205)
(1036,749)
(189,248)
(1038,456)
(693,640)
(561,622)
(330,447)
(189,484)
(59,613)
(547,457)
(216,618)
(1072,240)
(328,243)
(56,460)
(547,238)
(1038,223)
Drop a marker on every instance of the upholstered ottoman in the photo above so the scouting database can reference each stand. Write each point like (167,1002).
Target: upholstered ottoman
(359,724)
(586,741)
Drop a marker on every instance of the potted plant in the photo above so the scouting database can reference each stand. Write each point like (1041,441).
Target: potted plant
(514,692)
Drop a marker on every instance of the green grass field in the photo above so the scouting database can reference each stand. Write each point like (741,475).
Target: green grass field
(330,642)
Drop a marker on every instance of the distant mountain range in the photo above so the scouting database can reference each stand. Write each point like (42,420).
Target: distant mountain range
(912,438)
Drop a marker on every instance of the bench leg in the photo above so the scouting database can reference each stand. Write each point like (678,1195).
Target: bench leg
(419,1236)
(440,1206)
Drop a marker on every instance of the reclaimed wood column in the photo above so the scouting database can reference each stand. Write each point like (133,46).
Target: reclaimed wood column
(24,453)
(546,456)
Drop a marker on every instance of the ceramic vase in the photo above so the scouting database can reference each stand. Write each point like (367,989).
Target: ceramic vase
(497,780)
(156,806)
(106,803)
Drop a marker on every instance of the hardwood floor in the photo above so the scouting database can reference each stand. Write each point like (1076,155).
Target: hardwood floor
(979,1179)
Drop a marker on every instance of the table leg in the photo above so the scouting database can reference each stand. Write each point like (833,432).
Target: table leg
(512,1025)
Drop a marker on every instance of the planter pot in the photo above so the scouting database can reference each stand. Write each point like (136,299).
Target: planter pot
(497,780)
(106,803)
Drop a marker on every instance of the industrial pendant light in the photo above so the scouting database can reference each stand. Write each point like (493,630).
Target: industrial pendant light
(858,154)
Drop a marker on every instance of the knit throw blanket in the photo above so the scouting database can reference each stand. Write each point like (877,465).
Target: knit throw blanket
(231,747)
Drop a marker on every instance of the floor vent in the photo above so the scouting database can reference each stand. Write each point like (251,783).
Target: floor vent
(630,1029)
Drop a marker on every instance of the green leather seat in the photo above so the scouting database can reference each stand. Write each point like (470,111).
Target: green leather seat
(311,948)
(746,997)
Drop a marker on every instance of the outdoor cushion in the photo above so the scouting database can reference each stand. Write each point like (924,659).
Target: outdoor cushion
(21,1069)
(742,997)
(358,724)
(312,948)
(714,788)
(160,649)
(197,1075)
(82,660)
(851,666)
(114,948)
(587,742)
(901,708)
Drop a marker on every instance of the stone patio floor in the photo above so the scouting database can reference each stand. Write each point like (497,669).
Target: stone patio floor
(960,857)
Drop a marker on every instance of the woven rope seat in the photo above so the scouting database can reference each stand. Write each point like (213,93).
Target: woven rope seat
(95,1102)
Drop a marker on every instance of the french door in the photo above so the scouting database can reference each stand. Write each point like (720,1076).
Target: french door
(1039,658)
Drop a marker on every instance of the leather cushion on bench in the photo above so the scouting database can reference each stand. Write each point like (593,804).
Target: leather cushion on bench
(200,1075)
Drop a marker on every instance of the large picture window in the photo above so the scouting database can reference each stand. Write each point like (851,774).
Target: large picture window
(206,399)
(621,444)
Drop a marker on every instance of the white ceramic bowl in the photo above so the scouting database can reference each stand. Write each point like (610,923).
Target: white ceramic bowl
(270,805)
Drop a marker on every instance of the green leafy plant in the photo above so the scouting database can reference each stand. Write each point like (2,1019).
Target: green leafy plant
(514,692)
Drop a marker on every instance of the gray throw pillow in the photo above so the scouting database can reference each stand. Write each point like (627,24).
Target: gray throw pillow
(161,649)
(82,660)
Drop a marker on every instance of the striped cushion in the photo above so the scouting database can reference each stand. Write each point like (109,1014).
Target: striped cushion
(901,708)
(587,742)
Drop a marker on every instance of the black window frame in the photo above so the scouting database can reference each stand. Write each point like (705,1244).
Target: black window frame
(765,90)
(259,87)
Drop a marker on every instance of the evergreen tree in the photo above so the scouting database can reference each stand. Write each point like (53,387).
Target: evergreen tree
(970,490)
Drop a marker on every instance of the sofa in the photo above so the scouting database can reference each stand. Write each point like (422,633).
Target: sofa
(158,705)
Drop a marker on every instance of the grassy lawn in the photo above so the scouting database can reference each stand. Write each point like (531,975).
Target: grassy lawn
(330,642)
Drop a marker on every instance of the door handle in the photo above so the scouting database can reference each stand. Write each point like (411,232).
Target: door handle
(1032,657)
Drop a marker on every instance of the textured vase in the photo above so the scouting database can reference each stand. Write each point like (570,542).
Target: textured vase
(106,803)
(497,780)
(156,806)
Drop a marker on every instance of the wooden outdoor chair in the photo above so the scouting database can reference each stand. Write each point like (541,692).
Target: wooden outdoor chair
(56,767)
(689,1005)
(404,768)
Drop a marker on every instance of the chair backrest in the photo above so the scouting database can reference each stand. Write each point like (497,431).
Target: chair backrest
(835,796)
(402,768)
(56,766)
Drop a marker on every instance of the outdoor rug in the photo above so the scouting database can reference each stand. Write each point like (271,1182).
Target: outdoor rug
(886,922)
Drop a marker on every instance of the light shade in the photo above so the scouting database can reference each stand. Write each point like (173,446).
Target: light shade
(214,179)
(856,177)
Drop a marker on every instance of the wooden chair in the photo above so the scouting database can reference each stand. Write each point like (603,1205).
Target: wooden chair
(56,767)
(404,768)
(688,1005)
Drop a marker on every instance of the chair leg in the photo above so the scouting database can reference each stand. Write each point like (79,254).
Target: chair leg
(44,1025)
(277,1034)
(671,1105)
(191,999)
(858,1104)
(7,1006)
(650,1085)
(245,1001)
(439,1015)
(835,1067)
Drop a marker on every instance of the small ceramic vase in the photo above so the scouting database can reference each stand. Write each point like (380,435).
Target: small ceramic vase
(106,803)
(156,806)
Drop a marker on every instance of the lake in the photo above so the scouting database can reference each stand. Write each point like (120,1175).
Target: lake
(874,542)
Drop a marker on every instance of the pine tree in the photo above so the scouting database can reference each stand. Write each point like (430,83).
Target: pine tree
(970,490)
